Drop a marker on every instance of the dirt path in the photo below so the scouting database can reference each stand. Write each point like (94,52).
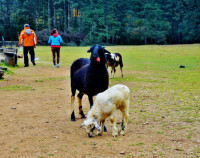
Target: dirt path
(35,122)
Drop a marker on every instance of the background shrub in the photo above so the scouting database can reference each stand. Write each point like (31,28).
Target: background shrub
(68,39)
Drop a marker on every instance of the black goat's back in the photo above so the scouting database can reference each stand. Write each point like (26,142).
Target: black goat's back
(77,64)
(88,78)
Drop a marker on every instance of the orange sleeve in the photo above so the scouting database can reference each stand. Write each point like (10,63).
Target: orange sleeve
(21,37)
(35,38)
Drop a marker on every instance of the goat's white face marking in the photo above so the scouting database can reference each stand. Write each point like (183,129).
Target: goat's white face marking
(90,126)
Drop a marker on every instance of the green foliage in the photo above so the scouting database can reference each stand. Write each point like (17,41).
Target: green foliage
(69,44)
(9,68)
(113,21)
(137,144)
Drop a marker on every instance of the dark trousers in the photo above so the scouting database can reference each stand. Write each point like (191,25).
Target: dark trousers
(32,53)
(55,51)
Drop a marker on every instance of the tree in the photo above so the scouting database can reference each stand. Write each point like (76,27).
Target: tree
(103,21)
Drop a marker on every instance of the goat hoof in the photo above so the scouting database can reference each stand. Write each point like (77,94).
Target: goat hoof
(99,134)
(105,130)
(73,119)
(114,135)
(83,116)
(122,133)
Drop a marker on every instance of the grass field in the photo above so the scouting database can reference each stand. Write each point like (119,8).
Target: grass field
(165,99)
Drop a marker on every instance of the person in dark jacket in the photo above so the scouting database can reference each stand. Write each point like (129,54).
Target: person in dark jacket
(55,41)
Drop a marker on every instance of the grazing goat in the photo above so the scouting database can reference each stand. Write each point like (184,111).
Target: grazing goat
(113,60)
(89,77)
(105,105)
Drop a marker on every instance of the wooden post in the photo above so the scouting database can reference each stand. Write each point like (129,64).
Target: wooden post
(1,74)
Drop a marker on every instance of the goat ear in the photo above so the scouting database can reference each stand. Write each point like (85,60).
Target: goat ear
(98,128)
(90,50)
(106,51)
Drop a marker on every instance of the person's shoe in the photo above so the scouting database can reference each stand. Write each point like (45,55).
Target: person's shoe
(25,65)
(34,64)
(58,65)
(54,66)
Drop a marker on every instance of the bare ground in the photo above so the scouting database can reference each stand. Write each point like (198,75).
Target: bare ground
(36,123)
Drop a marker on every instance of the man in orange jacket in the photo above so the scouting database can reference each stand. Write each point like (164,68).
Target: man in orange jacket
(28,39)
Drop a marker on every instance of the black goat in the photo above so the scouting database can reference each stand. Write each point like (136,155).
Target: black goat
(89,77)
(113,60)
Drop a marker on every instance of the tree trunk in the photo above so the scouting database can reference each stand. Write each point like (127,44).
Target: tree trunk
(113,39)
(54,15)
(37,16)
(117,40)
(179,33)
(140,33)
(145,28)
(49,16)
(106,21)
(179,26)
(145,38)
(106,30)
(68,17)
(79,20)
(65,17)
(43,17)
(8,26)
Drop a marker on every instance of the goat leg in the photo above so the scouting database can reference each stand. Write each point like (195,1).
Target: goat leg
(114,128)
(80,96)
(90,98)
(72,109)
(102,127)
(125,116)
(121,71)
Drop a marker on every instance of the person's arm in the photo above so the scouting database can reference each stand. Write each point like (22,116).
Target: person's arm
(61,41)
(35,38)
(49,41)
(21,37)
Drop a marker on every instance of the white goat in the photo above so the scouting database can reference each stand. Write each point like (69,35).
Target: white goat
(105,105)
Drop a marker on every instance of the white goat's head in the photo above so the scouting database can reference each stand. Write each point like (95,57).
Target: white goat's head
(90,125)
